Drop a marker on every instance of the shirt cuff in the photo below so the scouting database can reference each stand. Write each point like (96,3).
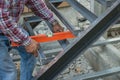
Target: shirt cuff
(26,42)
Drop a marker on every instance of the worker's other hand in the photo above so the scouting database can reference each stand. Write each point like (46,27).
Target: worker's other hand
(32,47)
(57,27)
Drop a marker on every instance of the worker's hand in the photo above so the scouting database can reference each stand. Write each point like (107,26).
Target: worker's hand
(32,48)
(57,27)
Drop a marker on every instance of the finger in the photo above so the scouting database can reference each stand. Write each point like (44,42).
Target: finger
(55,31)
(29,51)
(35,53)
(61,30)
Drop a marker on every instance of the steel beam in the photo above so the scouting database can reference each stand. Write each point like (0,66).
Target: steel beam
(32,19)
(81,43)
(29,28)
(102,2)
(106,3)
(56,1)
(99,74)
(104,42)
(60,16)
(82,10)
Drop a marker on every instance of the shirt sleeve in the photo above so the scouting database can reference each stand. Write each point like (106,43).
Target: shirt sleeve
(10,28)
(40,9)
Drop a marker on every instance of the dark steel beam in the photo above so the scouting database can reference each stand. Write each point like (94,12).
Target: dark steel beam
(82,10)
(81,43)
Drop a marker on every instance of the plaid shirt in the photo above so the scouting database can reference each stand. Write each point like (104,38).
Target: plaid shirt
(10,11)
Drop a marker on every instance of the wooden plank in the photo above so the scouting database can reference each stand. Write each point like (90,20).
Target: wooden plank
(63,4)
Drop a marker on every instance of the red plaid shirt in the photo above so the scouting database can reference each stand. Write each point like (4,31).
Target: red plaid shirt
(10,11)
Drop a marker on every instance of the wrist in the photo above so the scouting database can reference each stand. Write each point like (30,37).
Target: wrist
(27,42)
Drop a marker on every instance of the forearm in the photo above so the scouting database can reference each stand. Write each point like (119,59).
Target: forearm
(12,30)
(40,9)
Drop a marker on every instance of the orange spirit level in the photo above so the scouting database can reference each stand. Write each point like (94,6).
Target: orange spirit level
(56,36)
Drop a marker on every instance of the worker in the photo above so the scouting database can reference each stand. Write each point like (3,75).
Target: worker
(12,31)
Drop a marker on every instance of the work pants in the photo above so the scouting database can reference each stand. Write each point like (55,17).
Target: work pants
(7,67)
